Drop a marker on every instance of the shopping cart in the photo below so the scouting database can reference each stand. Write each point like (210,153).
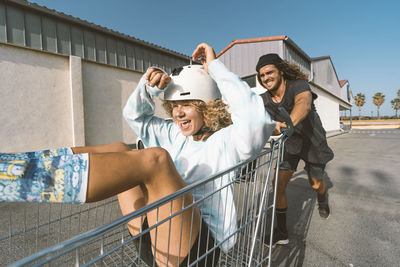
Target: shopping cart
(96,234)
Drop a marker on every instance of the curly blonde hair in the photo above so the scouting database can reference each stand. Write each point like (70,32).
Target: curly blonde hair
(215,113)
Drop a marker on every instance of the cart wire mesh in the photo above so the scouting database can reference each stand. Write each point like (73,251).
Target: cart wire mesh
(96,234)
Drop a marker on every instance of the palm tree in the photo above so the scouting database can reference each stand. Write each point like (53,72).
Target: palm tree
(378,100)
(359,101)
(396,104)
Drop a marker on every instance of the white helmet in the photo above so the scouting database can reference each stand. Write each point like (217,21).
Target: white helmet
(191,82)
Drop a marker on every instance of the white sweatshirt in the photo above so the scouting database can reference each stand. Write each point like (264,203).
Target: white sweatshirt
(196,160)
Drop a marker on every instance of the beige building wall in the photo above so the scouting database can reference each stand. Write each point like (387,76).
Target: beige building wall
(328,109)
(34,100)
(106,90)
(49,100)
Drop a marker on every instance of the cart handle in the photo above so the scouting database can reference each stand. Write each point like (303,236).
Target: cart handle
(288,131)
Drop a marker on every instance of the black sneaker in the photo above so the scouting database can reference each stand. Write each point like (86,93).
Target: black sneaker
(323,206)
(279,238)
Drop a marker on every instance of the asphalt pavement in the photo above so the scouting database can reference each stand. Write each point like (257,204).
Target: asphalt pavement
(363,229)
(364,194)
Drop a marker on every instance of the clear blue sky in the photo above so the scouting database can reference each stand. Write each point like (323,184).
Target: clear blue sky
(362,37)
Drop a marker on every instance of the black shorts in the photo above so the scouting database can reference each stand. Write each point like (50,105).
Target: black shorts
(199,247)
(290,162)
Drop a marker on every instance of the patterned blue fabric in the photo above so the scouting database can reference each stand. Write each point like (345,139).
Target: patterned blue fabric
(36,154)
(51,178)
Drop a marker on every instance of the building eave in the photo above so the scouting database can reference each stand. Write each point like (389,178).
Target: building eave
(333,66)
(83,23)
(252,40)
(341,102)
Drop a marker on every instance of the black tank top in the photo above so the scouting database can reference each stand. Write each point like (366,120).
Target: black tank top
(309,138)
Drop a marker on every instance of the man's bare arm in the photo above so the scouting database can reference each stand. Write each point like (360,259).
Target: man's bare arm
(302,105)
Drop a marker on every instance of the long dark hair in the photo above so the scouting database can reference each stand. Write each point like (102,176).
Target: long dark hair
(290,71)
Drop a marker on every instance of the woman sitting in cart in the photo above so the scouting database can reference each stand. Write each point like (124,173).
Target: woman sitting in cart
(203,139)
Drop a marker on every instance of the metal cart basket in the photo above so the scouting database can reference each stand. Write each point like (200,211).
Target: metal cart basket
(33,234)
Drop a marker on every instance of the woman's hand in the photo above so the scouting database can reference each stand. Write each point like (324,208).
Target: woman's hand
(205,54)
(156,77)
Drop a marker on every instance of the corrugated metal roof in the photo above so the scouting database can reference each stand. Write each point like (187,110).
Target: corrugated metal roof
(252,40)
(297,48)
(28,24)
(321,58)
(333,66)
(69,18)
(241,56)
(266,39)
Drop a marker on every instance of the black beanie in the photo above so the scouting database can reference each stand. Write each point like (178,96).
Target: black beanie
(267,60)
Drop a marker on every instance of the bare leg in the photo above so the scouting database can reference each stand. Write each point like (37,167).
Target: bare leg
(320,187)
(113,173)
(139,196)
(112,147)
(130,200)
(317,185)
(284,177)
(153,170)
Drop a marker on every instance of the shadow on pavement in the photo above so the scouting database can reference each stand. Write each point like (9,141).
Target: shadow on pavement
(301,204)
